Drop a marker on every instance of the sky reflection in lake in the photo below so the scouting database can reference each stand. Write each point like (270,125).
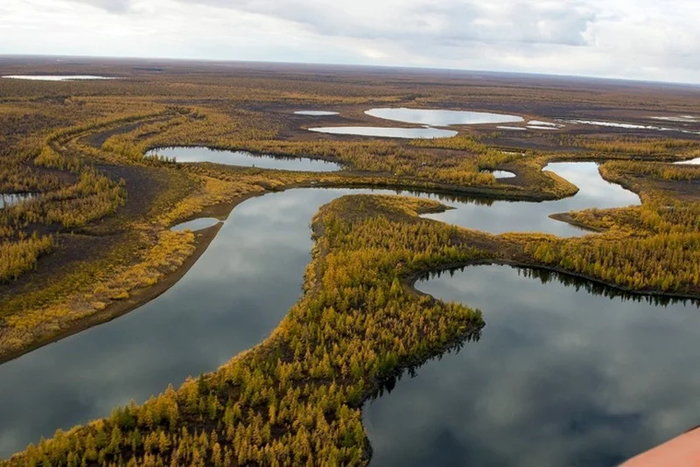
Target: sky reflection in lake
(385,132)
(508,216)
(231,299)
(186,154)
(560,376)
(57,77)
(196,224)
(438,117)
(7,200)
(315,113)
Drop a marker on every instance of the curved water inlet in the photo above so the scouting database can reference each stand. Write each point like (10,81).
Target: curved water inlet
(508,216)
(222,306)
(566,372)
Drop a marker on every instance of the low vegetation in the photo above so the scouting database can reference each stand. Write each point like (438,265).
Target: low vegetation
(97,233)
(295,399)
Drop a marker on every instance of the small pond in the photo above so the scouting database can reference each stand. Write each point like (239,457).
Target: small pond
(695,161)
(679,119)
(631,126)
(315,113)
(7,200)
(564,373)
(386,132)
(196,224)
(58,77)
(438,117)
(540,123)
(540,127)
(501,173)
(245,159)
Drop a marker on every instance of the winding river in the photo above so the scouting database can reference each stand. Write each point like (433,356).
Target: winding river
(225,305)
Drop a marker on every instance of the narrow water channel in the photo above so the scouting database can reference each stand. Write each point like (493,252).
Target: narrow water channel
(225,304)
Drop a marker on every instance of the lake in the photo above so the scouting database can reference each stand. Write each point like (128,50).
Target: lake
(386,132)
(562,375)
(185,154)
(58,77)
(222,306)
(438,117)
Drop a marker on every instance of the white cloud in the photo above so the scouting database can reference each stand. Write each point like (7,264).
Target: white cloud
(616,38)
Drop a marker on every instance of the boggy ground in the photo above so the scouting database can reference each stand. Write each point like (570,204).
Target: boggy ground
(296,397)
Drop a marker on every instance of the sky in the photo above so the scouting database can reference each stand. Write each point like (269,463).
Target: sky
(633,39)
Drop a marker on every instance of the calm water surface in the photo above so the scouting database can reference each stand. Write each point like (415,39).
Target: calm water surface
(679,118)
(561,376)
(439,117)
(541,127)
(57,77)
(196,224)
(407,133)
(245,159)
(632,126)
(690,162)
(315,113)
(7,200)
(508,216)
(222,306)
(501,174)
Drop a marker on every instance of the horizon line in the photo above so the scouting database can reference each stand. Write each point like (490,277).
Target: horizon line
(361,65)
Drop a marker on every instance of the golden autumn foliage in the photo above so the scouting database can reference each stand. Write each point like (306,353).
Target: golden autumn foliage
(19,256)
(294,399)
(652,247)
(634,146)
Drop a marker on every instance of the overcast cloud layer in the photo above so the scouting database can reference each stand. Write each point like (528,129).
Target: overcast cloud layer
(636,39)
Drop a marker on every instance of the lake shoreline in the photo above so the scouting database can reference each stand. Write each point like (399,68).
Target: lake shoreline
(410,280)
(204,238)
(140,297)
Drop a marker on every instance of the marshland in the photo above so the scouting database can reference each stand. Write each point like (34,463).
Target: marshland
(343,296)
